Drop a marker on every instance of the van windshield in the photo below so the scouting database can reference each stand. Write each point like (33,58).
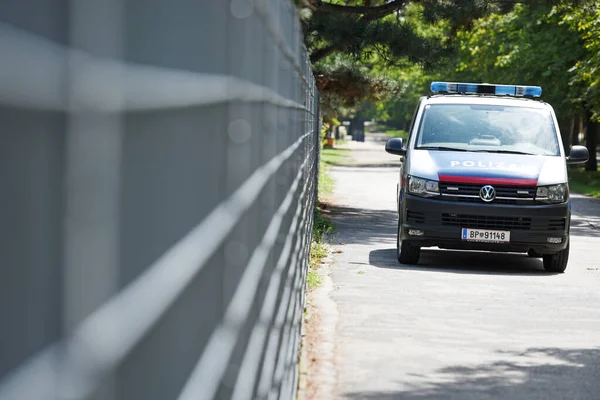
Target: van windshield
(476,127)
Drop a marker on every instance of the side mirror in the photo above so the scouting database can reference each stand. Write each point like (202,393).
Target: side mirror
(578,155)
(394,146)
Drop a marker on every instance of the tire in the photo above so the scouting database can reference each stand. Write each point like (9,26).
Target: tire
(406,252)
(556,262)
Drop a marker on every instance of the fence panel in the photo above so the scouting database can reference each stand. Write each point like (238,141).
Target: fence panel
(159,165)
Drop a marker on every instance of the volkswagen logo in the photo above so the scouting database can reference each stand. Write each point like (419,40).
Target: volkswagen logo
(487,193)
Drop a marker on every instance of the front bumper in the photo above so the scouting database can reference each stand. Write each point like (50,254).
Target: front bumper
(441,223)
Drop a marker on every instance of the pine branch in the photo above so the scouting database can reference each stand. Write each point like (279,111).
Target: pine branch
(368,12)
(346,83)
(320,54)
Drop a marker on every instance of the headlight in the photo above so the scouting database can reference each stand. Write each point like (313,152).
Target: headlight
(423,187)
(553,194)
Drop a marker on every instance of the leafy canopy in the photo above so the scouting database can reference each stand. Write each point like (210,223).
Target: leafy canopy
(585,21)
(527,46)
(346,39)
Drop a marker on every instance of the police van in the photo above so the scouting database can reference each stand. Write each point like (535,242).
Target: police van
(484,168)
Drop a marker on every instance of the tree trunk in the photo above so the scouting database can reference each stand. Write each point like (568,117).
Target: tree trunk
(575,125)
(591,142)
(565,134)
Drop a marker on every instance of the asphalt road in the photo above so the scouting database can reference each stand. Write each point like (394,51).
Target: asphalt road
(460,325)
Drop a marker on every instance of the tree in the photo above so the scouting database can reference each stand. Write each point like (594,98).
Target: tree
(344,37)
(530,46)
(343,84)
(359,27)
(585,21)
(369,49)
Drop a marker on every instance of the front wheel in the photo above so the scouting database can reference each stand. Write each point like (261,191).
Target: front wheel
(406,252)
(556,262)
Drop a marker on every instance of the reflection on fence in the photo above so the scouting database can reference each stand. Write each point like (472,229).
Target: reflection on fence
(158,164)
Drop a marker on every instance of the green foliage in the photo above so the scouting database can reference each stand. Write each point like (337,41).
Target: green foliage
(360,37)
(372,110)
(461,13)
(585,21)
(334,157)
(322,226)
(523,45)
(585,182)
(330,157)
(344,83)
(397,133)
(412,80)
(319,248)
(325,182)
(351,42)
(413,83)
(377,57)
(313,279)
(528,46)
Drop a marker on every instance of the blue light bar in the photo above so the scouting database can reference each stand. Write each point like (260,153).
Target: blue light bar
(484,88)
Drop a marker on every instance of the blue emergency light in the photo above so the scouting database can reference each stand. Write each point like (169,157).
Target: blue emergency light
(484,88)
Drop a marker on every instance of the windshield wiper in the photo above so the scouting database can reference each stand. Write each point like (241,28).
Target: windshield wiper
(440,148)
(505,152)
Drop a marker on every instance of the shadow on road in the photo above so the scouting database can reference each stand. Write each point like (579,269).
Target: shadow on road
(382,223)
(463,262)
(584,227)
(362,226)
(585,220)
(537,373)
(366,226)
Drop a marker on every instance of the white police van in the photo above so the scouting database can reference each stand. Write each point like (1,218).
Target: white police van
(484,169)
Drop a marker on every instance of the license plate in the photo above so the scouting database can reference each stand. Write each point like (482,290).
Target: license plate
(484,235)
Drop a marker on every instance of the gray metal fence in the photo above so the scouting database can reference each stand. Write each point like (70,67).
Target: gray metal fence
(158,166)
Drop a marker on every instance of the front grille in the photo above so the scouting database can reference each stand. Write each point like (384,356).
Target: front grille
(486,222)
(415,217)
(558,224)
(522,195)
